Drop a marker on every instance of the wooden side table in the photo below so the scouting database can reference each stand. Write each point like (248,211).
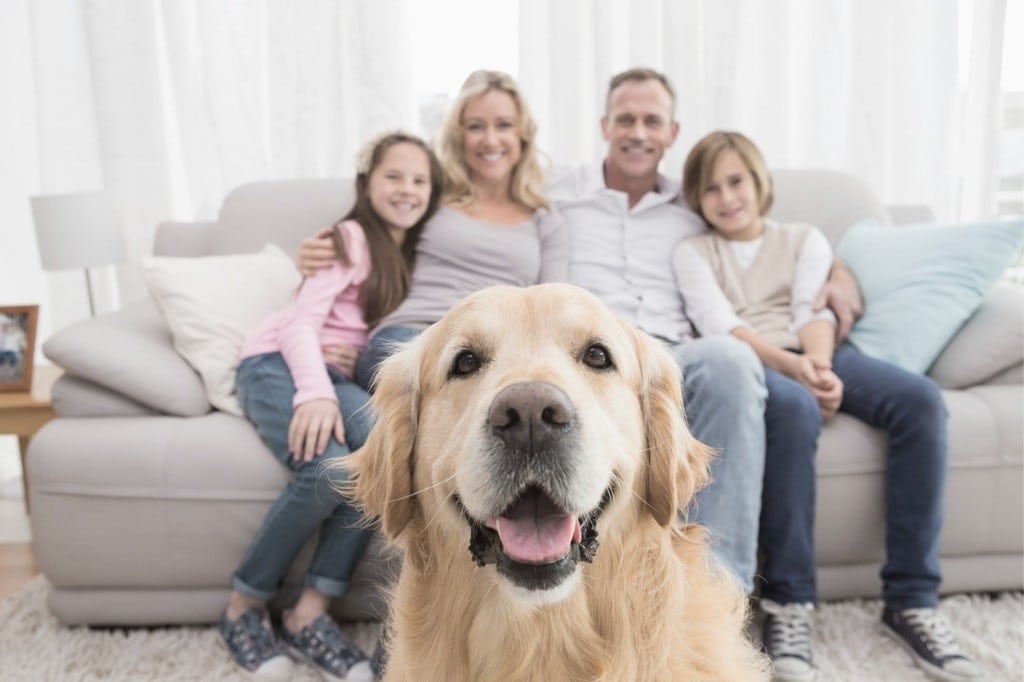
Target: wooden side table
(22,414)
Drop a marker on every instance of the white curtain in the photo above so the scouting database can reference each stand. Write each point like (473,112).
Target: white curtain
(167,105)
(904,94)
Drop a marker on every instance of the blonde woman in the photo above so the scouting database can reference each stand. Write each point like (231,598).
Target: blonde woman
(494,226)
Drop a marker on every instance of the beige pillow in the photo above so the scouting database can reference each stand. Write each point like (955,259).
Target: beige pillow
(990,342)
(213,303)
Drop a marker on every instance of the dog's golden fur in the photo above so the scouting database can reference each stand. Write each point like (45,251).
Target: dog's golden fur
(651,606)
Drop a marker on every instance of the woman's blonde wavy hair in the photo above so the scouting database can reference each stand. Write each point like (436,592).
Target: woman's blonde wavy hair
(527,176)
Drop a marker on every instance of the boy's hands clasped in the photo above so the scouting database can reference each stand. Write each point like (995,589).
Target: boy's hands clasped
(817,375)
(311,427)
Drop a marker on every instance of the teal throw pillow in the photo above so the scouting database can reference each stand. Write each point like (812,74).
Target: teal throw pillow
(921,282)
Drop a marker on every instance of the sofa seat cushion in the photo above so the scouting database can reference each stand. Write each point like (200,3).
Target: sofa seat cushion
(985,489)
(164,504)
(130,352)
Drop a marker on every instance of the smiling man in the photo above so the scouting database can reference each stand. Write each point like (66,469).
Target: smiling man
(624,221)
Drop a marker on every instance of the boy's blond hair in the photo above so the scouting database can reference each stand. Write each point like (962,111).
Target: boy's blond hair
(700,164)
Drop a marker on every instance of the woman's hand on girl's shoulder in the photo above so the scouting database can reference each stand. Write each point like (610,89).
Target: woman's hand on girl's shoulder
(313,423)
(316,253)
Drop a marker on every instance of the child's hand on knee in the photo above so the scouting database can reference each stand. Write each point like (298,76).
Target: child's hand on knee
(312,426)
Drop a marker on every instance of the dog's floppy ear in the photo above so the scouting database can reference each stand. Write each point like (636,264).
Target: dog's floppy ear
(383,466)
(677,463)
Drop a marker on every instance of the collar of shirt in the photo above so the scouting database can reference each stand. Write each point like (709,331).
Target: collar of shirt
(623,255)
(592,184)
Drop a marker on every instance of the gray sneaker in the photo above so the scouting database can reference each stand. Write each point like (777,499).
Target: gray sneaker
(787,640)
(925,634)
(252,644)
(323,644)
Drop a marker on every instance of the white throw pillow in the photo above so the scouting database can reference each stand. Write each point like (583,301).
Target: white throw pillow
(213,303)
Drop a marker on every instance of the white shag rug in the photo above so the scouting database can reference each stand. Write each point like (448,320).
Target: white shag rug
(849,645)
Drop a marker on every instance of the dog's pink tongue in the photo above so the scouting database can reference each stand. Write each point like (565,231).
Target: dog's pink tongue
(536,531)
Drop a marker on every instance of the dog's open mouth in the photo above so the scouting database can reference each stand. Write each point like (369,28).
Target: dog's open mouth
(535,543)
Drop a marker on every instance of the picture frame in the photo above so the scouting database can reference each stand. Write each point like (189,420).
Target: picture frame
(17,346)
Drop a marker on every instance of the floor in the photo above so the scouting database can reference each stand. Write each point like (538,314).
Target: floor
(17,563)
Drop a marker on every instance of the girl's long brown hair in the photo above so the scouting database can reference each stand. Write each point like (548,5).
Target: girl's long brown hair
(391,267)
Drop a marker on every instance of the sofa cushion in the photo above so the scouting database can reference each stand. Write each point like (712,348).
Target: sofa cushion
(212,303)
(130,352)
(989,343)
(921,282)
(73,396)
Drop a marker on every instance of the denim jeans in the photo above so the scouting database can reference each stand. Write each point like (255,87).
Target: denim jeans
(910,409)
(311,500)
(724,396)
(384,342)
(793,423)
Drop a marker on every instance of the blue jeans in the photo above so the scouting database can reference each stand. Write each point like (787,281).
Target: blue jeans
(384,342)
(724,395)
(910,409)
(793,423)
(311,500)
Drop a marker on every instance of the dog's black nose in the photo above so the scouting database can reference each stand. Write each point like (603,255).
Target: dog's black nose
(531,416)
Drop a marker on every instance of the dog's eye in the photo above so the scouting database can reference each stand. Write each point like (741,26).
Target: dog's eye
(597,356)
(466,362)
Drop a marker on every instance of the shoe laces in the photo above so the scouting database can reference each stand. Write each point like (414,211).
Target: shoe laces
(788,631)
(934,631)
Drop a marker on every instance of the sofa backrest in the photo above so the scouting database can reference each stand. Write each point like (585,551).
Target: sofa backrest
(282,211)
(829,200)
(285,212)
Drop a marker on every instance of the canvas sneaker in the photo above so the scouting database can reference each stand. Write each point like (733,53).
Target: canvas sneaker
(925,633)
(323,644)
(252,644)
(787,640)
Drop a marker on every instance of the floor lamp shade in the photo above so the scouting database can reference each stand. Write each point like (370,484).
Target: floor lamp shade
(76,231)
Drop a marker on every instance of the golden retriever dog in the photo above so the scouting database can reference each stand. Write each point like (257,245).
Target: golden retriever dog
(530,458)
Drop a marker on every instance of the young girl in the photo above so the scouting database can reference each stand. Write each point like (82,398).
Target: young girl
(757,280)
(494,227)
(298,403)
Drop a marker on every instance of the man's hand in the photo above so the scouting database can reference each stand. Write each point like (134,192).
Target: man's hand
(316,253)
(842,295)
(343,357)
(312,426)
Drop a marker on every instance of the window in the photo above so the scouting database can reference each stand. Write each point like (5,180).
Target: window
(1010,191)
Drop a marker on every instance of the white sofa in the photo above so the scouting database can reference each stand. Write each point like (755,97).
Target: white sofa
(144,498)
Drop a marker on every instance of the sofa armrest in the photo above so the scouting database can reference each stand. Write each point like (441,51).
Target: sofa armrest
(73,396)
(989,343)
(130,352)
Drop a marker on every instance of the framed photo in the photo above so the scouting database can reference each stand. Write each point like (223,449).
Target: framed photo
(17,346)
